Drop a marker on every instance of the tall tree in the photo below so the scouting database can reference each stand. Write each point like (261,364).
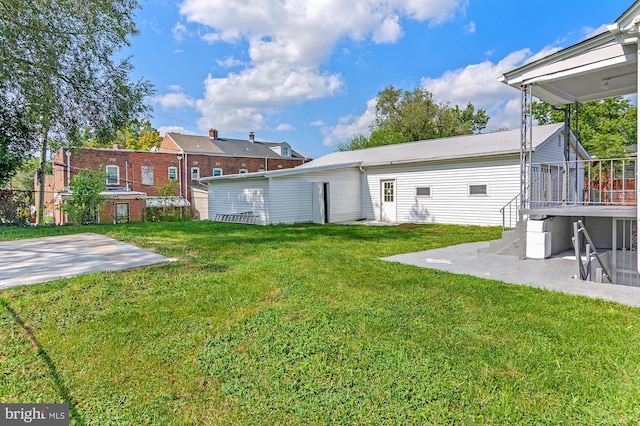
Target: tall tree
(604,127)
(14,140)
(135,134)
(405,116)
(57,66)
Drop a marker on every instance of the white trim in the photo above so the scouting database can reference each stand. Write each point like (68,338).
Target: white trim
(422,196)
(219,170)
(486,189)
(169,172)
(197,174)
(117,174)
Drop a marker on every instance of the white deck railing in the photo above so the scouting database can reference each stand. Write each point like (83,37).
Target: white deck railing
(601,182)
(575,183)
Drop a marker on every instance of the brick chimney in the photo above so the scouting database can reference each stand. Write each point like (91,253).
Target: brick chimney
(213,133)
(251,137)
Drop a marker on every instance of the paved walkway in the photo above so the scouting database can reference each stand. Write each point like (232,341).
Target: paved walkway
(550,274)
(44,259)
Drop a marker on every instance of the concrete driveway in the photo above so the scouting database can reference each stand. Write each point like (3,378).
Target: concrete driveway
(44,259)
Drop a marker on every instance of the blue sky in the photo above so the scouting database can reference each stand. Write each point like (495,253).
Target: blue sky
(307,71)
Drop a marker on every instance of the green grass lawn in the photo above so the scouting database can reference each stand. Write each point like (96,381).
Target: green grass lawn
(305,325)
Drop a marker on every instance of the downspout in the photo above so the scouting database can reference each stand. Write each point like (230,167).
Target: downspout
(186,178)
(126,175)
(363,201)
(186,186)
(68,153)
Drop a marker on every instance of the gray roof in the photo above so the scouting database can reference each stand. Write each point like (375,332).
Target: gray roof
(480,145)
(228,147)
(459,147)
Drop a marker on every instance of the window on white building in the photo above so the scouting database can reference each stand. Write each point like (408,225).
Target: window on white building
(423,191)
(478,190)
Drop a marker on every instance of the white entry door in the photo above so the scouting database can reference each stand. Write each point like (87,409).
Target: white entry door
(388,200)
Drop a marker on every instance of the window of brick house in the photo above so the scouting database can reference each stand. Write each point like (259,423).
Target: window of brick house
(195,173)
(113,175)
(217,171)
(173,173)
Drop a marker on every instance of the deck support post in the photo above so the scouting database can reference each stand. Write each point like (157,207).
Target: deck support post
(526,144)
(638,124)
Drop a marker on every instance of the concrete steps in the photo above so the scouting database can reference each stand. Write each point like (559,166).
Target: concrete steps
(508,245)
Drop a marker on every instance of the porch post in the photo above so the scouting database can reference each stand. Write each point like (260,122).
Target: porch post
(525,162)
(525,143)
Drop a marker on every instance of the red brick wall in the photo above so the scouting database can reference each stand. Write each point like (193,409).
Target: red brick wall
(130,165)
(136,210)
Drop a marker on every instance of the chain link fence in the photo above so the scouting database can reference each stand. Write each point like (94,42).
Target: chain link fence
(17,207)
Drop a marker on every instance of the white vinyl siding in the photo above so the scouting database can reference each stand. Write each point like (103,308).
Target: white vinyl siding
(291,196)
(239,196)
(451,204)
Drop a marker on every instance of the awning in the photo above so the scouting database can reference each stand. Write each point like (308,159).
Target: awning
(169,201)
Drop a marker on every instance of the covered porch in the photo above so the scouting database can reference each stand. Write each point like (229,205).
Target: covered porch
(591,205)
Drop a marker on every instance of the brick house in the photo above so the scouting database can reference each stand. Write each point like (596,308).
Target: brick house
(171,170)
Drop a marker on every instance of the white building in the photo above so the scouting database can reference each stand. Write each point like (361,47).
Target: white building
(459,180)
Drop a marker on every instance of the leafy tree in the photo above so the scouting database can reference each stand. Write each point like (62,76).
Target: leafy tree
(56,64)
(605,126)
(15,143)
(137,135)
(23,179)
(85,202)
(405,116)
(149,137)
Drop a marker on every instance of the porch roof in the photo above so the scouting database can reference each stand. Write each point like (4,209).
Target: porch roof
(597,68)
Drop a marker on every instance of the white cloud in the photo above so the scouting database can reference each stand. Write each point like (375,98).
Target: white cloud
(470,28)
(478,84)
(174,100)
(288,43)
(229,62)
(163,130)
(179,32)
(317,123)
(349,126)
(285,127)
(592,32)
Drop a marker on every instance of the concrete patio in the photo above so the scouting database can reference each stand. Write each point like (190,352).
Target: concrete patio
(44,259)
(551,274)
